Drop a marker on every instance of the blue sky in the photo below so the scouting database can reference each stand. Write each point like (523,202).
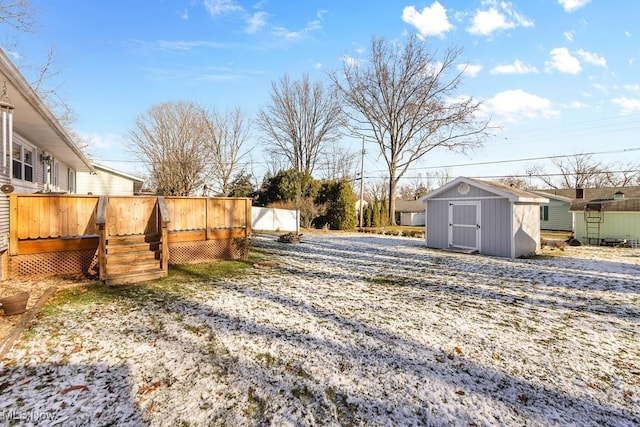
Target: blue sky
(559,76)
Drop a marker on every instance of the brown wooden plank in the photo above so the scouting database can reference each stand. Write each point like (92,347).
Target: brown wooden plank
(186,236)
(226,233)
(55,245)
(247,216)
(56,212)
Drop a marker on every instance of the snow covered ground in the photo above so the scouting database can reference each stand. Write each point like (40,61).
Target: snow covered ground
(348,329)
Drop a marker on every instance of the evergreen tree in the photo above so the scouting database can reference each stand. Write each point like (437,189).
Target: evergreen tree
(341,209)
(375,214)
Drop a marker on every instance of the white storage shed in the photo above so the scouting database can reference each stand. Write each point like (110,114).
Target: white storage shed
(484,217)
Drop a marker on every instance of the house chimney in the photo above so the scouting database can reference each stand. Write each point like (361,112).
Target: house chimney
(618,196)
(579,193)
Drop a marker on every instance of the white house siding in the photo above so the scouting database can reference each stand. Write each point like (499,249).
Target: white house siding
(527,229)
(103,184)
(412,218)
(560,219)
(616,225)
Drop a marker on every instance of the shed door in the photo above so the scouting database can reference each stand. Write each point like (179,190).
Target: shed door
(464,225)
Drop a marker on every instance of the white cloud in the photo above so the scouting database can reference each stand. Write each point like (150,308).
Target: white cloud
(516,105)
(518,67)
(256,22)
(562,60)
(571,5)
(633,87)
(499,16)
(432,21)
(317,66)
(182,45)
(628,105)
(471,70)
(184,14)
(592,58)
(221,7)
(577,105)
(284,33)
(350,61)
(568,35)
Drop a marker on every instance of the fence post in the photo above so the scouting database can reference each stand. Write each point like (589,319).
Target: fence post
(13,224)
(247,218)
(101,219)
(164,234)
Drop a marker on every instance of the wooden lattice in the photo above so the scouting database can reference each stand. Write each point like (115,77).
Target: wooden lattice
(82,262)
(202,251)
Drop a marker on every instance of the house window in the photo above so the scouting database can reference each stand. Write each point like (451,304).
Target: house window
(544,213)
(71,179)
(23,162)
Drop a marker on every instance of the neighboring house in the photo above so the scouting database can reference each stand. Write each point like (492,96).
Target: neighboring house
(108,182)
(607,215)
(38,155)
(555,214)
(410,212)
(485,217)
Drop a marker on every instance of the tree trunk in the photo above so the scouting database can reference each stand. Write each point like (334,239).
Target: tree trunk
(392,199)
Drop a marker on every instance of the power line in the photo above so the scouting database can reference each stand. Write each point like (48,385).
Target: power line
(528,159)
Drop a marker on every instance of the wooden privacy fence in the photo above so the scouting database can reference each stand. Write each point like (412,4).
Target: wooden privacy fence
(52,234)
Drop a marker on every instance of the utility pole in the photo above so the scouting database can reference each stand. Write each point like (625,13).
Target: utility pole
(361,184)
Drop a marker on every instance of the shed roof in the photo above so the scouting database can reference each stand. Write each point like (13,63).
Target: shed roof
(511,193)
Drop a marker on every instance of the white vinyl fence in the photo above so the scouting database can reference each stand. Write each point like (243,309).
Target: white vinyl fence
(274,219)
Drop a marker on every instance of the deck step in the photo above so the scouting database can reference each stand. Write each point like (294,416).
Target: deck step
(133,277)
(132,247)
(133,238)
(133,259)
(123,268)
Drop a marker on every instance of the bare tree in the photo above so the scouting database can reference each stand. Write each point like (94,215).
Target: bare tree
(578,171)
(228,134)
(302,118)
(172,139)
(17,14)
(622,174)
(441,177)
(406,99)
(415,188)
(376,189)
(337,162)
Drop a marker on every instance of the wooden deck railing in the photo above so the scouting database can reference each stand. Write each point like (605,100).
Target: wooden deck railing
(50,223)
(163,221)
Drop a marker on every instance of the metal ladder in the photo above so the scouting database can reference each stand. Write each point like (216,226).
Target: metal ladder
(593,219)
